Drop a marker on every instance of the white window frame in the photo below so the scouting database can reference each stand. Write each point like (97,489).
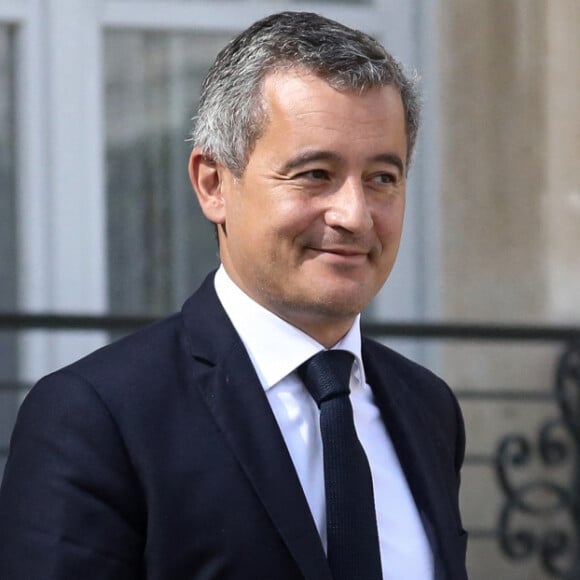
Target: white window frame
(60,176)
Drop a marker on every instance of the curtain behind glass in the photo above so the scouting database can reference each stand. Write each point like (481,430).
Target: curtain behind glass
(160,245)
(8,271)
(7,172)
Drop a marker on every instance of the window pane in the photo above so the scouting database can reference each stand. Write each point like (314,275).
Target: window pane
(8,273)
(7,171)
(160,245)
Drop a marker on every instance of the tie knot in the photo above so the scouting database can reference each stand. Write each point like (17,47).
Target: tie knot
(327,374)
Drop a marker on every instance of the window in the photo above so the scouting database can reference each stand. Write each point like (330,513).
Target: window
(8,233)
(160,246)
(111,223)
(8,275)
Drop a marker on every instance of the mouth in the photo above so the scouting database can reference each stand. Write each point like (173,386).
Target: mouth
(342,255)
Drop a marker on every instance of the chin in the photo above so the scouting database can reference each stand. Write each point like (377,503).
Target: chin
(342,304)
(348,292)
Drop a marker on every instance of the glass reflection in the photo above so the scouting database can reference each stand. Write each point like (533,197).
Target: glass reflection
(160,245)
(8,220)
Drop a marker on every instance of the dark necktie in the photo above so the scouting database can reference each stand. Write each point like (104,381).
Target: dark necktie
(353,544)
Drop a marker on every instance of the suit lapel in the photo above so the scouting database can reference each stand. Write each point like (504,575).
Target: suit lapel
(240,407)
(419,458)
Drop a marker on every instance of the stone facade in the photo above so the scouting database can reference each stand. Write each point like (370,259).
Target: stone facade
(510,204)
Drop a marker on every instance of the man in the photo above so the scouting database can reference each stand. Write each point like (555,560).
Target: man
(192,449)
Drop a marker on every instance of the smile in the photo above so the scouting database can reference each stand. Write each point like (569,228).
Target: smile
(342,255)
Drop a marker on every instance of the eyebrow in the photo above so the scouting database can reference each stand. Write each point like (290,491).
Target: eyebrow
(309,157)
(312,156)
(391,159)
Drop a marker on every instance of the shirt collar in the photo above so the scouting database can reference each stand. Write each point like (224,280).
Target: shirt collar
(275,358)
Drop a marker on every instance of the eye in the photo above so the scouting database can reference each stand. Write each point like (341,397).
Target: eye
(384,178)
(314,174)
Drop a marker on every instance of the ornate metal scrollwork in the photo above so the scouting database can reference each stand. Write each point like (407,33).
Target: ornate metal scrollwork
(541,516)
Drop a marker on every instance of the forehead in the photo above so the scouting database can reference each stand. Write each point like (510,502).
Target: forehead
(303,110)
(285,81)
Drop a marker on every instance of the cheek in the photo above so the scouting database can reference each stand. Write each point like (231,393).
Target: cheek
(245,235)
(290,218)
(388,219)
(388,229)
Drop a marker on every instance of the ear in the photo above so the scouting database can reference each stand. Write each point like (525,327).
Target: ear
(206,179)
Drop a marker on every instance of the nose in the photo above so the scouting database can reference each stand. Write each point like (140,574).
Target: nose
(349,208)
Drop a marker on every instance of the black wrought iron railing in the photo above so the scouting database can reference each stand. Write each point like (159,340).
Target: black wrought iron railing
(537,472)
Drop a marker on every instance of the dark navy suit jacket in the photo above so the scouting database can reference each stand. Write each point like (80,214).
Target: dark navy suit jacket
(158,457)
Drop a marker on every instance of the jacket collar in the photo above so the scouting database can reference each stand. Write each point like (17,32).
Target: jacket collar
(233,394)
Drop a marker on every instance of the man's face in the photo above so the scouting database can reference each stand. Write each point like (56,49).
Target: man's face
(312,227)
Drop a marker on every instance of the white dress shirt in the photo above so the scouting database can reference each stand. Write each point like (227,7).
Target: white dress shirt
(276,350)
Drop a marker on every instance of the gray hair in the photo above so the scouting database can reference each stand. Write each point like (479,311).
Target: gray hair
(232,115)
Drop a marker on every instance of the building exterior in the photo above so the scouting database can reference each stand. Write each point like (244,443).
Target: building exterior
(97,215)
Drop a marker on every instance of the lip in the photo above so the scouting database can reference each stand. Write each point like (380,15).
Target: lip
(343,255)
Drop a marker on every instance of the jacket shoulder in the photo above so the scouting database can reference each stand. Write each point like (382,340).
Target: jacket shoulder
(428,392)
(143,349)
(377,353)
